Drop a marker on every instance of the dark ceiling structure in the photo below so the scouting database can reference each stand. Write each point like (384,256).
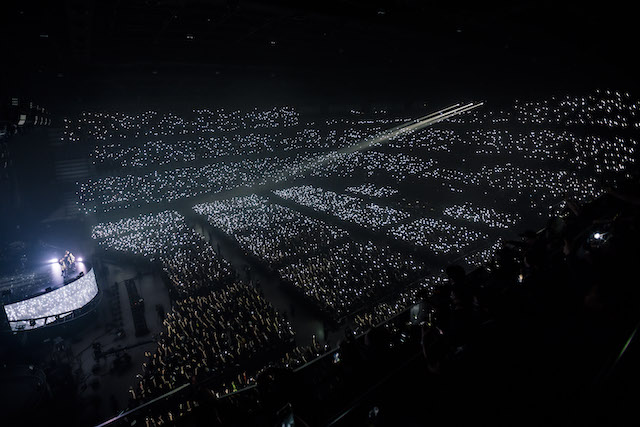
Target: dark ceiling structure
(336,43)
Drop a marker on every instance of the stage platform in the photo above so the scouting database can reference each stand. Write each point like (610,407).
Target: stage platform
(33,290)
(29,257)
(38,279)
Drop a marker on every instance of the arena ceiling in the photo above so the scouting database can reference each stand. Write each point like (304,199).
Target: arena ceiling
(424,40)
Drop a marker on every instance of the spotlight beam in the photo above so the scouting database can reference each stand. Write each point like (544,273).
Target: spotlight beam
(300,170)
(390,134)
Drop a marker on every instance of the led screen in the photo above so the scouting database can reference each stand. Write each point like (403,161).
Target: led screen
(47,307)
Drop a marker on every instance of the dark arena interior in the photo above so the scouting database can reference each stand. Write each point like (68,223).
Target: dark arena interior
(340,213)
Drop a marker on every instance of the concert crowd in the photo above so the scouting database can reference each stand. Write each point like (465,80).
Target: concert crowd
(190,262)
(218,323)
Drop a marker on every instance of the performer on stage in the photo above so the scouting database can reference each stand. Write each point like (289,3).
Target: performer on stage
(67,262)
(70,258)
(63,265)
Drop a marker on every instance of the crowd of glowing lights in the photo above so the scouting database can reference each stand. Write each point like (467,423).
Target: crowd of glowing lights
(318,259)
(403,299)
(159,152)
(352,274)
(230,324)
(482,257)
(188,260)
(573,155)
(489,216)
(440,236)
(604,108)
(275,234)
(372,191)
(152,139)
(527,157)
(409,296)
(209,334)
(345,207)
(134,190)
(104,126)
(267,141)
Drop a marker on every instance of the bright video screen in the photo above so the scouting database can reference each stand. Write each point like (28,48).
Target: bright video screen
(46,308)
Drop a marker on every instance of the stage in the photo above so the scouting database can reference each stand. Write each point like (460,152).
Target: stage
(54,305)
(33,290)
(39,279)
